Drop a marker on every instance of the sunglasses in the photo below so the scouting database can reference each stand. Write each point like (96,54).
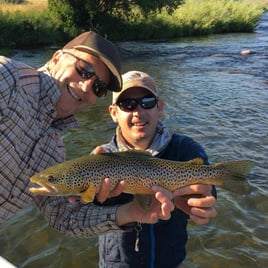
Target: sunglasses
(86,71)
(129,105)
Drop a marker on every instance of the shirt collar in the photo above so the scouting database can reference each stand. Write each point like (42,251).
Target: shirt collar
(160,141)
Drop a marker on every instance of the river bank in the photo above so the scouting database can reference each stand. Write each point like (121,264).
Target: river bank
(211,93)
(34,26)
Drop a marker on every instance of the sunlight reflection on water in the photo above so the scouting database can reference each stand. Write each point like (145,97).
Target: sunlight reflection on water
(211,93)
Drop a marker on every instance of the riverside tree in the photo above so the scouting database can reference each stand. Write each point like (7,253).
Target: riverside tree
(90,14)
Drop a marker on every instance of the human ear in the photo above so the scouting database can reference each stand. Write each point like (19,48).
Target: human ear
(56,56)
(113,112)
(160,106)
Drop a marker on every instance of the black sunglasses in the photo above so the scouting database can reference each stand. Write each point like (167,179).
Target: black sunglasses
(129,105)
(86,71)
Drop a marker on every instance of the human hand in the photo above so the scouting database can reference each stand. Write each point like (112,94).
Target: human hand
(99,150)
(161,208)
(200,210)
(106,190)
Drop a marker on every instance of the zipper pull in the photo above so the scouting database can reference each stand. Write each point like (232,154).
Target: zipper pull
(138,229)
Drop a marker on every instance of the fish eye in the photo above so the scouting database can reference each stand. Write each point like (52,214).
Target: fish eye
(50,178)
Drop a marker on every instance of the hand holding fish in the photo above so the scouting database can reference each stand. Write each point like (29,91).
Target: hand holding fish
(200,210)
(84,177)
(107,191)
(160,208)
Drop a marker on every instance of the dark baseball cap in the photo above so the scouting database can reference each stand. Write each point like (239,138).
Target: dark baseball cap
(105,50)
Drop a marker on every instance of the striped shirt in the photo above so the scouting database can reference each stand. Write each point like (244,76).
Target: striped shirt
(30,141)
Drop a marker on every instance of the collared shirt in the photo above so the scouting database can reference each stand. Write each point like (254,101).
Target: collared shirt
(27,137)
(30,141)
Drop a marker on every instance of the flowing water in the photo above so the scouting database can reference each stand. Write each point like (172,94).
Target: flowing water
(215,95)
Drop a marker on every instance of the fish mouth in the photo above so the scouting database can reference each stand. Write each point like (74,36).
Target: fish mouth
(44,189)
(73,94)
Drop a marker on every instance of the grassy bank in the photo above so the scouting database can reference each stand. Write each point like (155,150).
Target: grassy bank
(194,18)
(30,25)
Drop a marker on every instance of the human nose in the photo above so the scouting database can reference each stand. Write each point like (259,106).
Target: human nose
(86,85)
(138,109)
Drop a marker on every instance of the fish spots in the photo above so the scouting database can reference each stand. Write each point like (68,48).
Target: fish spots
(139,171)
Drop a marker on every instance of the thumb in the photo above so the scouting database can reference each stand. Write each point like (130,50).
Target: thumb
(99,150)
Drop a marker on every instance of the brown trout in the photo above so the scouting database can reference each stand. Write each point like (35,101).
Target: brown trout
(82,176)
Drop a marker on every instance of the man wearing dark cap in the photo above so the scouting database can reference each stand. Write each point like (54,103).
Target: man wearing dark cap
(36,105)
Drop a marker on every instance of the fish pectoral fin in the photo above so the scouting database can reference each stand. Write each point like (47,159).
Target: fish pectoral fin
(143,201)
(89,194)
(197,161)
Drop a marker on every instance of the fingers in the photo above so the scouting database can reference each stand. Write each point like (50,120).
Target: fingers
(200,210)
(202,216)
(73,199)
(120,187)
(166,206)
(166,192)
(105,190)
(165,203)
(99,150)
(161,208)
(194,189)
(204,213)
(204,202)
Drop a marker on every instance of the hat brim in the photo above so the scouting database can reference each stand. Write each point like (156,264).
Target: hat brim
(114,86)
(118,94)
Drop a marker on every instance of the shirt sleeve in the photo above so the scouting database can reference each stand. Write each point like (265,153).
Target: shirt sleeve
(77,219)
(81,220)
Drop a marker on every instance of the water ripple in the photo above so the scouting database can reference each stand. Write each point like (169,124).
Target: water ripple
(213,94)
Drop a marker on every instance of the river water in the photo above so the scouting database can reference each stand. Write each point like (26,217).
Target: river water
(215,95)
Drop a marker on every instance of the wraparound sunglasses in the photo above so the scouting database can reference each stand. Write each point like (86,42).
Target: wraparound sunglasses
(86,71)
(129,105)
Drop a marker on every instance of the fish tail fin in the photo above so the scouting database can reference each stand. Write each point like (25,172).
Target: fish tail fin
(235,179)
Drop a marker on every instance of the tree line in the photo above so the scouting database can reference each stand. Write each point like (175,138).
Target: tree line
(124,20)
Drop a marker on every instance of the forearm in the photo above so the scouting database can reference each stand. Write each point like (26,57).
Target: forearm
(76,219)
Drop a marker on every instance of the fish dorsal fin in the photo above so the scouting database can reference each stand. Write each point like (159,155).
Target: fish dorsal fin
(197,161)
(128,153)
(137,151)
(140,153)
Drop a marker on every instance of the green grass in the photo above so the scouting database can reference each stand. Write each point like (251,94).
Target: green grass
(209,17)
(195,17)
(30,24)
